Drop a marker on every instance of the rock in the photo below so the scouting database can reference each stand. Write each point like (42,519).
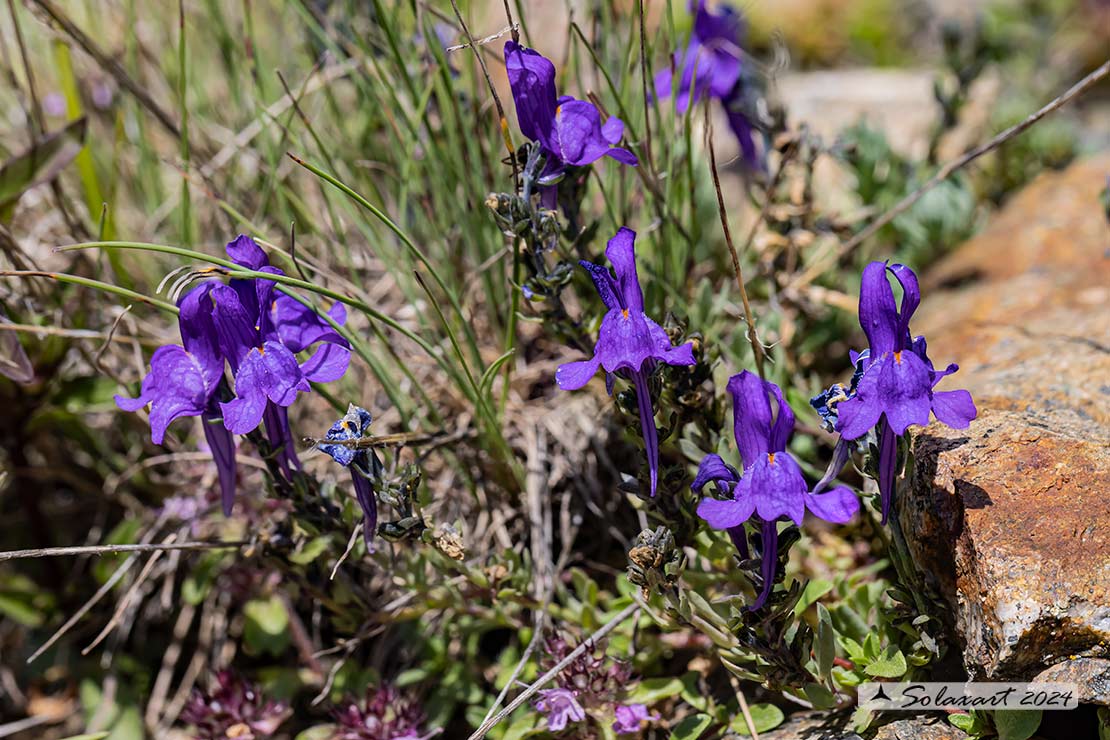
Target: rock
(838,726)
(1092,675)
(931,726)
(1010,519)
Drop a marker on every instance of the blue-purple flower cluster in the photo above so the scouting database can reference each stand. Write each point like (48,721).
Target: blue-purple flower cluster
(246,326)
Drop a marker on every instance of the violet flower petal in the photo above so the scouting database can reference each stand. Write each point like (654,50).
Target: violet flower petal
(629,718)
(621,253)
(778,487)
(837,505)
(243,250)
(954,408)
(727,514)
(680,355)
(198,333)
(904,388)
(299,327)
(604,283)
(769,562)
(623,341)
(176,386)
(911,299)
(532,81)
(327,363)
(571,376)
(221,444)
(878,314)
(713,468)
(561,707)
(578,137)
(751,416)
(888,466)
(647,425)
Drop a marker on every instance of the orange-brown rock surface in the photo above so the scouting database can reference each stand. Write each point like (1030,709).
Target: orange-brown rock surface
(1010,519)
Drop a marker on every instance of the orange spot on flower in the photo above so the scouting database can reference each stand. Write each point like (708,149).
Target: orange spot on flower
(558,110)
(898,357)
(624,312)
(770,458)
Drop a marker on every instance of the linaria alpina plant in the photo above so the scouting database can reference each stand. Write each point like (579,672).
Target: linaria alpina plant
(712,66)
(259,336)
(628,343)
(569,130)
(772,486)
(364,464)
(895,389)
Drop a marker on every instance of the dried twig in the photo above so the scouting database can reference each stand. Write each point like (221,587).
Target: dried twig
(483,41)
(125,601)
(749,317)
(51,552)
(744,709)
(585,645)
(77,615)
(502,120)
(647,97)
(948,169)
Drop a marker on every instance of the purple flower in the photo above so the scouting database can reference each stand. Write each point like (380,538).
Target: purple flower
(711,66)
(235,708)
(628,341)
(630,718)
(570,131)
(364,465)
(896,387)
(561,707)
(258,335)
(772,486)
(384,714)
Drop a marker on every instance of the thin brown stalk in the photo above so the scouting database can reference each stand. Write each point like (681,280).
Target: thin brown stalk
(949,169)
(125,601)
(77,615)
(644,79)
(51,552)
(501,119)
(749,316)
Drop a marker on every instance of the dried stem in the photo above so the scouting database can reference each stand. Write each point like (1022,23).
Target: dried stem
(749,317)
(502,120)
(586,644)
(51,552)
(951,167)
(647,100)
(125,601)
